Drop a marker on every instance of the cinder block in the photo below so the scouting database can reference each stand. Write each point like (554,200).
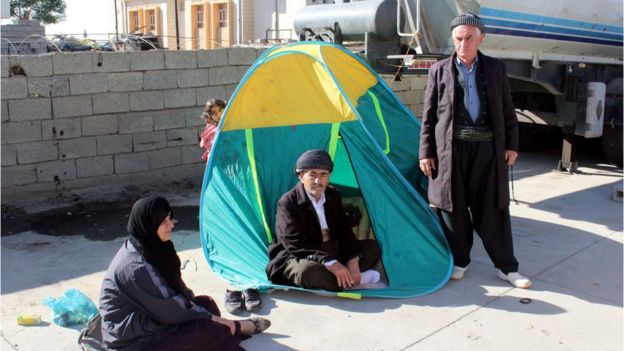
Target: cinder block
(260,51)
(193,78)
(113,144)
(113,181)
(207,93)
(226,75)
(130,163)
(4,66)
(75,148)
(180,98)
(164,158)
(180,59)
(56,171)
(75,184)
(15,87)
(398,85)
(9,195)
(19,132)
(127,81)
(135,123)
(419,82)
(212,58)
(241,56)
(169,119)
(146,60)
(100,125)
(193,117)
(18,175)
(35,190)
(152,178)
(48,86)
(230,89)
(4,112)
(29,109)
(146,100)
(37,152)
(191,154)
(111,62)
(149,141)
(94,166)
(71,106)
(67,128)
(80,84)
(417,110)
(9,155)
(111,102)
(72,63)
(37,66)
(189,172)
(178,137)
(154,80)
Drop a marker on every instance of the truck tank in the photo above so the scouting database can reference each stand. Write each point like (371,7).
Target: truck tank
(589,31)
(563,57)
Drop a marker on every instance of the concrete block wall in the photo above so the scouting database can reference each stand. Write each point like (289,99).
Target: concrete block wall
(89,122)
(410,90)
(82,122)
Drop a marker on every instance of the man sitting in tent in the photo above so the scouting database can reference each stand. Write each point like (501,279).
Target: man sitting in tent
(315,247)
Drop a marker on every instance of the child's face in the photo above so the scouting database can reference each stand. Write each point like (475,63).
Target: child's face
(216,112)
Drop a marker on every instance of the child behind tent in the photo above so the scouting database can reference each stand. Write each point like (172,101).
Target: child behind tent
(212,115)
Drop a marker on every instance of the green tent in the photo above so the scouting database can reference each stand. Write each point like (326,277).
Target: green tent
(318,96)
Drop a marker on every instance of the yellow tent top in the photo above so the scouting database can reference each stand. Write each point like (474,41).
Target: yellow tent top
(322,82)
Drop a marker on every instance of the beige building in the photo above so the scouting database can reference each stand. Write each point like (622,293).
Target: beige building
(206,24)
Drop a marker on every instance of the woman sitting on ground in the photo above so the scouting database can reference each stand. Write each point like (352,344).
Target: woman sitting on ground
(144,303)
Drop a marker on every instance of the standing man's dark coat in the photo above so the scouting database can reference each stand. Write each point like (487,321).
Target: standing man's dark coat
(437,124)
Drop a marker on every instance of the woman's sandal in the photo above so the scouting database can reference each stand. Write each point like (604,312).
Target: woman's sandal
(261,324)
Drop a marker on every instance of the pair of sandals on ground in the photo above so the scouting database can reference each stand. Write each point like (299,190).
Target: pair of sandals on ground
(238,301)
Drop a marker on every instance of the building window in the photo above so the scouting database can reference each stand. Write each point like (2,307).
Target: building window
(200,17)
(135,16)
(152,22)
(223,22)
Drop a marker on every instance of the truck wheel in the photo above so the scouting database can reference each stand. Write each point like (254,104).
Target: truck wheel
(612,143)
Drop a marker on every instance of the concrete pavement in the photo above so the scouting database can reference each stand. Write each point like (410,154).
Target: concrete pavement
(568,239)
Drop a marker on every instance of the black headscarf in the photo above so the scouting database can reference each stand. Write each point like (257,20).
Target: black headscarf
(145,218)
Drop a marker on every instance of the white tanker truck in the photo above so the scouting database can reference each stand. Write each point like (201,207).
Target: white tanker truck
(563,57)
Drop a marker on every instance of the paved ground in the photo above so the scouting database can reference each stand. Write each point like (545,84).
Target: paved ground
(568,237)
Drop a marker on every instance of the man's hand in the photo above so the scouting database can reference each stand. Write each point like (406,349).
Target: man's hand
(427,166)
(342,275)
(354,269)
(510,157)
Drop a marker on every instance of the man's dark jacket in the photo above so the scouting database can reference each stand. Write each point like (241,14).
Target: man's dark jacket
(298,231)
(436,134)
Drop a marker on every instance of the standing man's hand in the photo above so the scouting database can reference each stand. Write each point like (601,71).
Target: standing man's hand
(510,157)
(343,277)
(354,269)
(427,166)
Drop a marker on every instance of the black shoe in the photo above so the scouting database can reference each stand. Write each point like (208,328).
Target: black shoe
(252,299)
(234,301)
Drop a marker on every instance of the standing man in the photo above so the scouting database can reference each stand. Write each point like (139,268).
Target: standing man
(469,135)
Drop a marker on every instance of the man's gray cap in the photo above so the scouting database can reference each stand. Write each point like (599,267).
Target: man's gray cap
(314,159)
(467,19)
